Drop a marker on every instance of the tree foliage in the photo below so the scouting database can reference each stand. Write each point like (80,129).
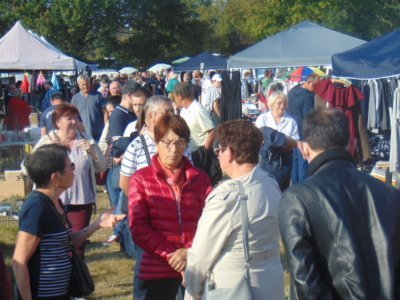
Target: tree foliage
(142,32)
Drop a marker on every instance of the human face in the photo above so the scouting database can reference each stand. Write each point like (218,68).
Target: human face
(178,100)
(67,123)
(137,105)
(153,117)
(221,153)
(67,175)
(115,89)
(217,83)
(279,107)
(84,86)
(110,108)
(170,149)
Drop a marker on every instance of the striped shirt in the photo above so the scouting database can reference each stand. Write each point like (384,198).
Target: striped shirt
(50,266)
(135,156)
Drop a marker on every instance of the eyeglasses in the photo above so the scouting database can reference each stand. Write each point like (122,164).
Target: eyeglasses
(218,150)
(178,144)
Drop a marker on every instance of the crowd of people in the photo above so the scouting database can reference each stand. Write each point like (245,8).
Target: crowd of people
(177,177)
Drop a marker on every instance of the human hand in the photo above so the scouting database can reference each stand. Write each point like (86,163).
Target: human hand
(86,146)
(108,219)
(177,259)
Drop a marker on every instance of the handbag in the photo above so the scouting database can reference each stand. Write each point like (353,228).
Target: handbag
(101,178)
(81,284)
(242,290)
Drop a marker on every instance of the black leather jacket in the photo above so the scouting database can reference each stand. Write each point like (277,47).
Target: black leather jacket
(341,231)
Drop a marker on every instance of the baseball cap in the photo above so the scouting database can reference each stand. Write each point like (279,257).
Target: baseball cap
(216,77)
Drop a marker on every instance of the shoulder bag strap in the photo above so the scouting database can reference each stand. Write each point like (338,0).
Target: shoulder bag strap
(242,197)
(146,149)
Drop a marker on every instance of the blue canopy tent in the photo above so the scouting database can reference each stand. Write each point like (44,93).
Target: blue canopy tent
(305,44)
(378,58)
(203,61)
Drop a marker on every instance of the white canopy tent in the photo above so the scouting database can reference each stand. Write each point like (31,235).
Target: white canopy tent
(23,50)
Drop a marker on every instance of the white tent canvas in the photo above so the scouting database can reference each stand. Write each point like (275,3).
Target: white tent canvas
(305,44)
(23,50)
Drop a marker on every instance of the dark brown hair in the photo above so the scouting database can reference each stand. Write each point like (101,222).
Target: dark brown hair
(171,122)
(64,109)
(243,138)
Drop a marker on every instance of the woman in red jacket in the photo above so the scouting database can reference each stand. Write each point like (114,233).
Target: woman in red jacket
(166,200)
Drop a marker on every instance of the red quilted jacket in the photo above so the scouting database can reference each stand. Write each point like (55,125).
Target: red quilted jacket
(154,219)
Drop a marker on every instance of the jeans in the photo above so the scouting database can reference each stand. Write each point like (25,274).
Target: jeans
(139,290)
(299,168)
(113,192)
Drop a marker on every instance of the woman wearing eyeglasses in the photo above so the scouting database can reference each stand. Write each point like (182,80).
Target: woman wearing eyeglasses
(80,198)
(166,200)
(216,260)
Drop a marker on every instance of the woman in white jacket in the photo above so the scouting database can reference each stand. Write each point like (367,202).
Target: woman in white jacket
(217,248)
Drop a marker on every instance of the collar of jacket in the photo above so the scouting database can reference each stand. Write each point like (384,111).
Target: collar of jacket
(188,168)
(326,156)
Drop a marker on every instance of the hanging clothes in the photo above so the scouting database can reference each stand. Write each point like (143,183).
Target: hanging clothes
(56,82)
(395,133)
(25,85)
(231,104)
(347,99)
(40,81)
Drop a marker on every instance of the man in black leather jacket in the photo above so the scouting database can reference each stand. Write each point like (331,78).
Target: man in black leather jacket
(340,227)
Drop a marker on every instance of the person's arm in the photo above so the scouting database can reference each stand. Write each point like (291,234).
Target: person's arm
(300,251)
(210,139)
(106,220)
(128,167)
(43,131)
(124,183)
(24,249)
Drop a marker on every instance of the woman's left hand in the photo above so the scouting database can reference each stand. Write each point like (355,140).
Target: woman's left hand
(177,259)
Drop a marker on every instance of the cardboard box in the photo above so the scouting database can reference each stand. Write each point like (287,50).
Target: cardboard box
(13,175)
(14,188)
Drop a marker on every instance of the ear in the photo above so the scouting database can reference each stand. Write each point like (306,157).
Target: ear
(54,178)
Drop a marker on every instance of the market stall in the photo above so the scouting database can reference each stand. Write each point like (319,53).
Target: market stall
(203,61)
(305,44)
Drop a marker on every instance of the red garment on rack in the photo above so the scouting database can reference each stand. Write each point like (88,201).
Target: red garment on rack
(342,98)
(25,85)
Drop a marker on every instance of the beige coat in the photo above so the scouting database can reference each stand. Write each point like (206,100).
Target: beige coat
(218,241)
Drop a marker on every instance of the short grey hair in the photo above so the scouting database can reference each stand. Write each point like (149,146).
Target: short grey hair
(83,77)
(275,96)
(154,103)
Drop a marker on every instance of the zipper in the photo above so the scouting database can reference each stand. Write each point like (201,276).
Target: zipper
(178,206)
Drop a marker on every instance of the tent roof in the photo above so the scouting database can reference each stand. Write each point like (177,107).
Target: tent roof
(210,61)
(305,44)
(378,58)
(24,50)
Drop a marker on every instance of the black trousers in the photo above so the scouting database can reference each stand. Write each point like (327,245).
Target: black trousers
(162,289)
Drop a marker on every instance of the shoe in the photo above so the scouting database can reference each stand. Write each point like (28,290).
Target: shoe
(111,239)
